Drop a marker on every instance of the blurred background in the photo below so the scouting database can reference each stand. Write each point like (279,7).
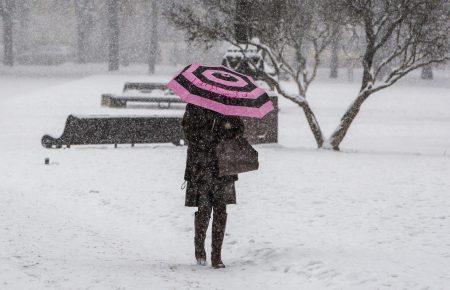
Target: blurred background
(53,32)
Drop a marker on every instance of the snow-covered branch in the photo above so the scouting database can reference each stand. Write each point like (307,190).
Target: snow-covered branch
(397,74)
(412,34)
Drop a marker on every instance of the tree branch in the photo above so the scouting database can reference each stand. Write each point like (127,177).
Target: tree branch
(397,75)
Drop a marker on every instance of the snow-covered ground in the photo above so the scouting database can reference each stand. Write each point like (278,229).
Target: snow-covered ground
(375,216)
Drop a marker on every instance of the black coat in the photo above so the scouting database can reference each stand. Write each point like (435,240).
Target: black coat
(204,130)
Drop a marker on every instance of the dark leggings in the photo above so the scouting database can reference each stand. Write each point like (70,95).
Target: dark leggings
(205,209)
(211,201)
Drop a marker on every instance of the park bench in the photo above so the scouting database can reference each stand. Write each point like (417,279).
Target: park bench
(91,130)
(144,87)
(117,101)
(85,130)
(141,93)
(259,131)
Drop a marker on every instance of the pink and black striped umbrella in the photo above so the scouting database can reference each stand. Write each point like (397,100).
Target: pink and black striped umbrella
(222,90)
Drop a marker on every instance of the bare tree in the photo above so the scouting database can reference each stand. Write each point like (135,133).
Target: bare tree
(153,36)
(291,34)
(335,48)
(114,34)
(6,12)
(351,47)
(418,28)
(83,11)
(23,16)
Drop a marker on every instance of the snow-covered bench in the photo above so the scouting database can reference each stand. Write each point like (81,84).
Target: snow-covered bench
(85,130)
(144,87)
(115,101)
(156,93)
(159,126)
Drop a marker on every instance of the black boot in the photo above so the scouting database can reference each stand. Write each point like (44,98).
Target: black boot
(201,226)
(218,233)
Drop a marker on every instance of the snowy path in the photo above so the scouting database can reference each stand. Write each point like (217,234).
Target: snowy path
(376,217)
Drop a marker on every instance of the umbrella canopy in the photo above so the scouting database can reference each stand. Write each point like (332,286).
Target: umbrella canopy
(222,90)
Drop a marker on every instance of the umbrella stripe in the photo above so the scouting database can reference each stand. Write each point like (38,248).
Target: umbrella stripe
(196,76)
(221,98)
(227,69)
(223,68)
(219,107)
(227,100)
(202,74)
(223,76)
(201,78)
(217,77)
(214,88)
(201,69)
(239,74)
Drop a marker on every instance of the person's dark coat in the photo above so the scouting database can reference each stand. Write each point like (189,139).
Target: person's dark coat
(204,130)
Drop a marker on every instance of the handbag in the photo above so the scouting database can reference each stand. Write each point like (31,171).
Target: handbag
(236,156)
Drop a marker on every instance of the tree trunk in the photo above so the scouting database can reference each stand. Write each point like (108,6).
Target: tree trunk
(334,60)
(346,120)
(153,41)
(23,12)
(241,27)
(82,23)
(313,124)
(8,57)
(350,74)
(81,44)
(427,72)
(114,33)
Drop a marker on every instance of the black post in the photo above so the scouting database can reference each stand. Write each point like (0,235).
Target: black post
(114,34)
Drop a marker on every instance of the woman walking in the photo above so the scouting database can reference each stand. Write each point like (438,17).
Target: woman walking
(204,130)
